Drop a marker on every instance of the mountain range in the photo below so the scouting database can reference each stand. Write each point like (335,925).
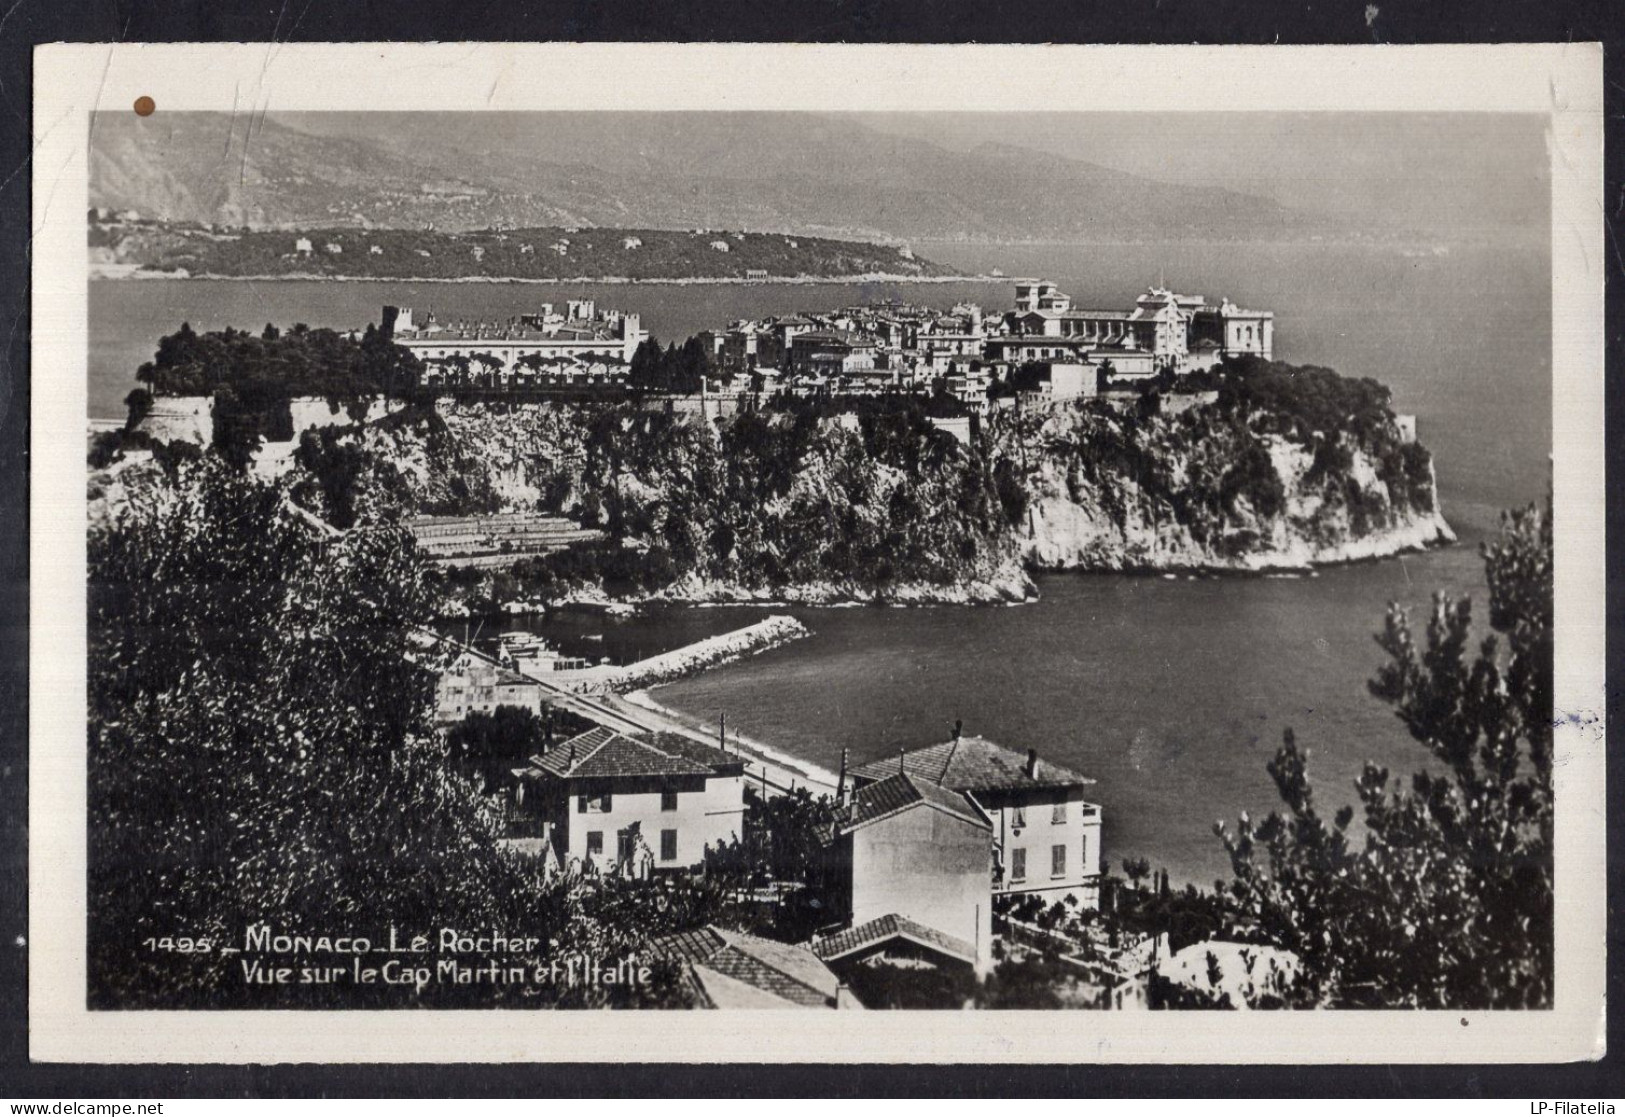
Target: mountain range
(771,172)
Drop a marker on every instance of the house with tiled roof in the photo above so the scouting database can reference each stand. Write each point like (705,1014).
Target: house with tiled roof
(731,969)
(904,848)
(891,936)
(612,803)
(1045,832)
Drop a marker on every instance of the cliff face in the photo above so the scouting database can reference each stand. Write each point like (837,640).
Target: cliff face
(1118,492)
(781,508)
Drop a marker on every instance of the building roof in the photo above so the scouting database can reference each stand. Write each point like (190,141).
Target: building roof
(503,332)
(1080,312)
(697,751)
(1072,341)
(888,928)
(602,753)
(832,337)
(736,970)
(972,764)
(897,793)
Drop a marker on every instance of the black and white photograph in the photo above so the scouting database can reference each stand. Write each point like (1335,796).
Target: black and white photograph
(954,559)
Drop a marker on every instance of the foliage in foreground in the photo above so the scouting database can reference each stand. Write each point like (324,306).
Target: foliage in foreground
(1448,904)
(259,752)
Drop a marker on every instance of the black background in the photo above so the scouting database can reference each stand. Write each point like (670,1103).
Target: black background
(24,23)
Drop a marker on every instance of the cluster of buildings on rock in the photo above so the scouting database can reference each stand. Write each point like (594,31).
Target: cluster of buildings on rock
(898,347)
(871,349)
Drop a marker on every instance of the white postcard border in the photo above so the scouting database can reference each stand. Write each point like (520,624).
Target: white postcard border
(1561,81)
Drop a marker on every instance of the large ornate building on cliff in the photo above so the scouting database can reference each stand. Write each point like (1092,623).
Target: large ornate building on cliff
(578,345)
(1181,332)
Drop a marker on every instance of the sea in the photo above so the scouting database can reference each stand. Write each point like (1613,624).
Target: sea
(1171,694)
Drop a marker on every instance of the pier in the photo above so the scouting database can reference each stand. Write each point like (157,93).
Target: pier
(599,695)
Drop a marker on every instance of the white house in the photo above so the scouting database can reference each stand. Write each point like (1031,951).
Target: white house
(906,868)
(611,803)
(1046,835)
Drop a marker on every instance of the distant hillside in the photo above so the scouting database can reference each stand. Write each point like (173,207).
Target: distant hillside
(771,172)
(531,254)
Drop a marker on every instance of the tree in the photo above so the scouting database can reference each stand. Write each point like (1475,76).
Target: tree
(139,405)
(260,753)
(489,744)
(654,369)
(236,429)
(1136,869)
(1448,903)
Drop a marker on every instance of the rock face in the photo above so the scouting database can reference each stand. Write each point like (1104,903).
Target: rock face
(180,419)
(1191,492)
(808,510)
(1124,528)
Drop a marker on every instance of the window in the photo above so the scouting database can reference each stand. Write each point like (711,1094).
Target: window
(1057,861)
(1018,816)
(595,843)
(1018,864)
(668,845)
(1057,814)
(668,800)
(593,804)
(1083,861)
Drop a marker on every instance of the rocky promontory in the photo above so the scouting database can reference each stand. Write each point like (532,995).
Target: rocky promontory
(815,504)
(871,500)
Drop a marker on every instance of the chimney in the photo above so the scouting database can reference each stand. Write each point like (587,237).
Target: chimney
(1032,764)
(900,754)
(722,732)
(840,785)
(959,725)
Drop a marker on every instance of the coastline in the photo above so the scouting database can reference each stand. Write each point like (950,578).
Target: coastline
(1418,537)
(819,779)
(1415,536)
(103,272)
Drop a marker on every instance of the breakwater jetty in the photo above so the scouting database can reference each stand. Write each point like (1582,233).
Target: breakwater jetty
(710,652)
(614,697)
(604,679)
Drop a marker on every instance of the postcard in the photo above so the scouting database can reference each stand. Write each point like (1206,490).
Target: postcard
(918,554)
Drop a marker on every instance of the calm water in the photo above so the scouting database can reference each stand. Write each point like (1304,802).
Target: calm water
(1171,694)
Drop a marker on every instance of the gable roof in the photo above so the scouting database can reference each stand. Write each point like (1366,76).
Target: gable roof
(888,928)
(697,751)
(832,337)
(972,764)
(601,753)
(736,970)
(895,794)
